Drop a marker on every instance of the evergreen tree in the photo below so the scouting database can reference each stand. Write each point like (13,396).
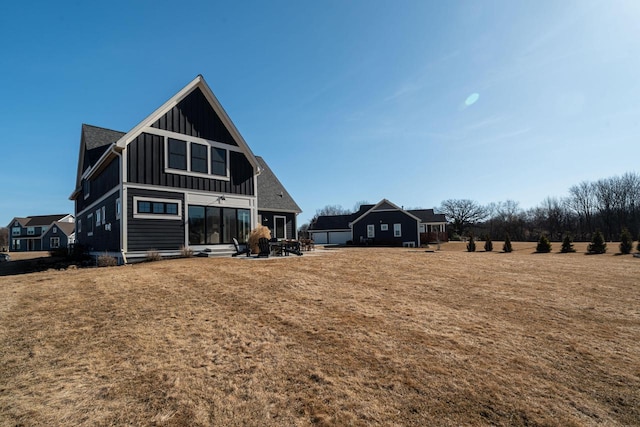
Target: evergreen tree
(471,246)
(544,245)
(507,244)
(488,244)
(567,245)
(626,242)
(597,245)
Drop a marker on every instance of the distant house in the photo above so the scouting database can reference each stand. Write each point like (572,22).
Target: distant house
(34,233)
(183,177)
(382,224)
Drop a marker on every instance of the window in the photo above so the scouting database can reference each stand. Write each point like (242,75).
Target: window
(16,244)
(384,227)
(210,225)
(218,161)
(31,231)
(15,231)
(371,231)
(90,222)
(397,230)
(177,154)
(148,208)
(86,187)
(280,227)
(55,230)
(54,242)
(199,158)
(98,217)
(104,215)
(79,226)
(118,209)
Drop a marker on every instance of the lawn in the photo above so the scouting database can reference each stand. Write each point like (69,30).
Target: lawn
(343,337)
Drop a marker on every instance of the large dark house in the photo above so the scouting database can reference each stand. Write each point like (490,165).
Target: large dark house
(382,224)
(184,177)
(41,232)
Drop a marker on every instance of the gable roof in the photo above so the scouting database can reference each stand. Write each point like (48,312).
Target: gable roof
(101,136)
(38,220)
(332,222)
(428,215)
(67,228)
(383,205)
(271,193)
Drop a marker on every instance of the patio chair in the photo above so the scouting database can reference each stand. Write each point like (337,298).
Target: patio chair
(263,246)
(292,248)
(241,249)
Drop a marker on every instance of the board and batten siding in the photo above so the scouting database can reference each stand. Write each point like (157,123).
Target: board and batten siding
(386,237)
(100,184)
(194,116)
(106,236)
(146,165)
(154,234)
(268,220)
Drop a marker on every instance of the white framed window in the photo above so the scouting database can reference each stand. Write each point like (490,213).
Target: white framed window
(280,227)
(397,230)
(16,244)
(15,231)
(90,224)
(79,226)
(86,188)
(98,217)
(118,208)
(384,227)
(423,228)
(198,158)
(104,215)
(152,208)
(31,231)
(371,231)
(54,243)
(55,230)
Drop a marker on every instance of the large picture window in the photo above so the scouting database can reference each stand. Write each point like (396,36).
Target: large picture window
(196,158)
(150,208)
(210,225)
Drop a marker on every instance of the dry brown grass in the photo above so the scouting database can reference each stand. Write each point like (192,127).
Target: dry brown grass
(351,337)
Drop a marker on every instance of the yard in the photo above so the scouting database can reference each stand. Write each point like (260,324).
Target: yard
(344,337)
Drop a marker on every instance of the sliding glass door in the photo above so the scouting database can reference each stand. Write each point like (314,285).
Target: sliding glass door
(210,225)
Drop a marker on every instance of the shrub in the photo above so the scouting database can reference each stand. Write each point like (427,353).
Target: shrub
(106,260)
(597,245)
(488,244)
(626,242)
(507,244)
(567,245)
(153,255)
(471,246)
(257,233)
(638,247)
(544,245)
(186,252)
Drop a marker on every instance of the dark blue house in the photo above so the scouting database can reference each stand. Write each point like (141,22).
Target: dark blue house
(183,177)
(34,233)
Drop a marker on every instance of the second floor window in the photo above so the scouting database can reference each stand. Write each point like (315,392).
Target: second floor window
(15,231)
(218,161)
(177,154)
(31,231)
(199,158)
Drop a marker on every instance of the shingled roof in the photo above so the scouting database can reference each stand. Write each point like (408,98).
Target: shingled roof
(271,193)
(67,228)
(428,215)
(97,140)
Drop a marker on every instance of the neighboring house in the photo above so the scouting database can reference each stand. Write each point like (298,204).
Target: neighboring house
(59,235)
(29,233)
(382,224)
(183,177)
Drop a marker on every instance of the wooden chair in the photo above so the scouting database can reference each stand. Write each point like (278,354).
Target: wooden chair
(241,249)
(263,246)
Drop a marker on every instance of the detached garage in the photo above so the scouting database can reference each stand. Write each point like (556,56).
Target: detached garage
(331,230)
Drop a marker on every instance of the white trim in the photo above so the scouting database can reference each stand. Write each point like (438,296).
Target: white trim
(397,230)
(275,218)
(137,215)
(91,225)
(384,227)
(371,231)
(396,208)
(189,141)
(196,139)
(100,200)
(51,243)
(118,208)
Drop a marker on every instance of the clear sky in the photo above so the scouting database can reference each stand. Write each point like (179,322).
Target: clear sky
(413,101)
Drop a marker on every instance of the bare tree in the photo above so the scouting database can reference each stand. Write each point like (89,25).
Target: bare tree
(4,238)
(582,201)
(463,213)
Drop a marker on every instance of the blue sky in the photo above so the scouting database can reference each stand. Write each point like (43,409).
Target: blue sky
(414,101)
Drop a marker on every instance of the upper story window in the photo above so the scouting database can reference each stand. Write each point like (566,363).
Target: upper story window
(31,231)
(55,230)
(15,231)
(86,187)
(118,208)
(196,158)
(177,154)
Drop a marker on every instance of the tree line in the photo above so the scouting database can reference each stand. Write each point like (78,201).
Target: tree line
(610,205)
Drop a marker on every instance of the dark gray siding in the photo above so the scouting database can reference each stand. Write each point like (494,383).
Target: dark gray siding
(146,166)
(46,239)
(268,221)
(158,234)
(409,228)
(100,185)
(103,238)
(194,116)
